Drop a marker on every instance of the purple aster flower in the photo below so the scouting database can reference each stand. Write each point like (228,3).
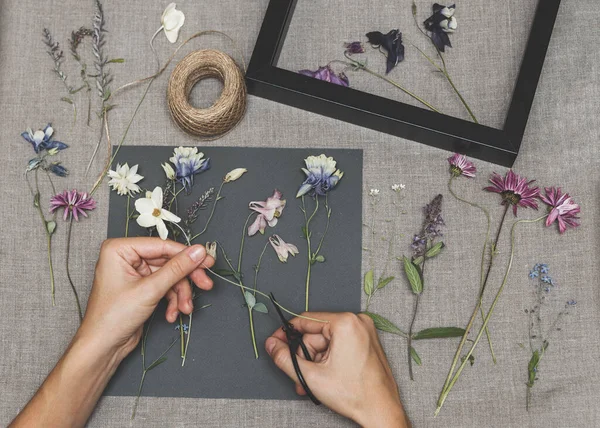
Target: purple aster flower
(188,162)
(42,139)
(562,209)
(354,48)
(440,24)
(74,204)
(515,190)
(460,165)
(322,175)
(391,43)
(327,74)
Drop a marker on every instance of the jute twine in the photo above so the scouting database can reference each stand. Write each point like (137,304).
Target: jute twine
(227,110)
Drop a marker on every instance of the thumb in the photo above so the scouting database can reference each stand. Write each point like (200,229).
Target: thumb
(176,269)
(280,353)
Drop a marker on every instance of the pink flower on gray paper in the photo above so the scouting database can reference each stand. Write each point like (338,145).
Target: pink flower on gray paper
(268,211)
(282,248)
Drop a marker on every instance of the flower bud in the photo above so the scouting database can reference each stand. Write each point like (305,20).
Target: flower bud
(169,171)
(234,174)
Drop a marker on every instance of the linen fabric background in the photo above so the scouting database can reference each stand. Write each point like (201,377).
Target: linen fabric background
(560,148)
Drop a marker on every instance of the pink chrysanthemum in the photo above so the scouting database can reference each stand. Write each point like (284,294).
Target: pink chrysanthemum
(515,190)
(562,208)
(460,165)
(74,204)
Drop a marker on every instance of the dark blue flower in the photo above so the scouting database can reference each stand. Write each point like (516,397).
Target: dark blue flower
(321,176)
(188,162)
(572,302)
(546,279)
(440,24)
(58,169)
(533,274)
(354,48)
(42,139)
(391,43)
(327,74)
(544,268)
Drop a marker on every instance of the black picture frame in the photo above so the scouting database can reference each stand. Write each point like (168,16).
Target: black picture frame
(501,146)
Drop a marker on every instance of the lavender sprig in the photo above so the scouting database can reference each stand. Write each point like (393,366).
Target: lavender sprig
(58,57)
(200,204)
(103,76)
(76,39)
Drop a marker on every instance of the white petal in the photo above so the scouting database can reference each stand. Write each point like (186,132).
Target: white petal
(38,136)
(135,178)
(49,132)
(163,232)
(157,197)
(147,220)
(113,174)
(144,206)
(134,188)
(169,216)
(170,7)
(133,170)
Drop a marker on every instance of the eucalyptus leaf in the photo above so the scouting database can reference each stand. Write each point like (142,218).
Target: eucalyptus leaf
(250,299)
(415,356)
(439,333)
(384,324)
(260,307)
(156,363)
(36,199)
(50,226)
(435,250)
(67,100)
(413,275)
(320,259)
(368,284)
(384,281)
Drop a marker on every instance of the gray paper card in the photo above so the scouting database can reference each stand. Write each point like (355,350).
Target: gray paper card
(220,361)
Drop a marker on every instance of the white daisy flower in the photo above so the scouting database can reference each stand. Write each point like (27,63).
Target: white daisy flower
(124,179)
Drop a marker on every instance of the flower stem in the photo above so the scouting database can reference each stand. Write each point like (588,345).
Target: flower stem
(326,226)
(252,335)
(257,268)
(307,235)
(483,253)
(212,212)
(80,312)
(52,287)
(410,334)
(127,221)
(187,340)
(454,378)
(181,336)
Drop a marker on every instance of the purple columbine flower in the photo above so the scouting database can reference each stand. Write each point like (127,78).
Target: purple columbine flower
(354,48)
(268,211)
(322,175)
(391,43)
(515,190)
(42,139)
(562,208)
(74,204)
(327,74)
(440,24)
(460,165)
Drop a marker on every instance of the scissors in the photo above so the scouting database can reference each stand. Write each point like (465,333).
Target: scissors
(294,339)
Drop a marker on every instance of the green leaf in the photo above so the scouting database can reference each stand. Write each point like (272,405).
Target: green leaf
(320,259)
(304,232)
(439,333)
(260,307)
(413,275)
(67,100)
(36,199)
(417,261)
(116,61)
(250,299)
(50,226)
(532,367)
(368,285)
(384,281)
(156,363)
(435,250)
(224,272)
(384,324)
(415,356)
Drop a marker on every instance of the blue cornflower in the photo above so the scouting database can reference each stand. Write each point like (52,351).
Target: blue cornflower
(546,279)
(188,162)
(534,274)
(321,176)
(572,302)
(544,268)
(42,140)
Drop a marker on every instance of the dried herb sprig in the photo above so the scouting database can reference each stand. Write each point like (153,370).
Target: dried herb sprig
(77,38)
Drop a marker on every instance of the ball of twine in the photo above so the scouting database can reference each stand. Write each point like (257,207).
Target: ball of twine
(226,111)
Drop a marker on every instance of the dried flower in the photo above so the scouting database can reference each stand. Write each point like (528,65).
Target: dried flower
(172,20)
(42,139)
(57,169)
(268,213)
(321,176)
(440,24)
(169,171)
(211,249)
(188,162)
(431,228)
(328,75)
(234,174)
(398,187)
(153,214)
(282,248)
(103,76)
(74,204)
(460,165)
(354,48)
(124,179)
(199,204)
(391,43)
(562,208)
(373,192)
(515,190)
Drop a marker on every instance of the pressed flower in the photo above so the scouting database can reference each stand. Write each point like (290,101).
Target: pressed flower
(534,274)
(123,180)
(57,169)
(328,75)
(398,187)
(33,164)
(169,171)
(515,190)
(234,174)
(211,249)
(562,209)
(153,214)
(321,176)
(460,165)
(374,192)
(354,48)
(391,43)
(188,162)
(440,24)
(42,139)
(282,248)
(172,20)
(74,204)
(268,213)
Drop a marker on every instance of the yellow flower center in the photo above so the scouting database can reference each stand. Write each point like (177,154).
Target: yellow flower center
(156,212)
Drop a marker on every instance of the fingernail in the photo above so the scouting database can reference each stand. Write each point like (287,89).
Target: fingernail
(190,305)
(269,345)
(197,253)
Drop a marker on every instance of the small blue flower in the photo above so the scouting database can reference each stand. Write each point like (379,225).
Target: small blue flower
(572,302)
(58,169)
(544,268)
(188,162)
(321,176)
(534,274)
(546,279)
(185,328)
(535,369)
(547,289)
(536,266)
(42,140)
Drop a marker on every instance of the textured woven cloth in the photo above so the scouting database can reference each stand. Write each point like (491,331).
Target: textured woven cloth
(560,148)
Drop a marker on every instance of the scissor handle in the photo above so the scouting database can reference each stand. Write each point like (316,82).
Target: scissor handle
(300,375)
